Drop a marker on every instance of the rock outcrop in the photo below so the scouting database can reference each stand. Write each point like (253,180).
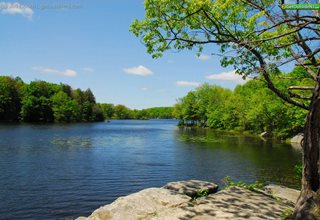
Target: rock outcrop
(264,135)
(282,192)
(233,203)
(139,205)
(174,201)
(192,187)
(297,139)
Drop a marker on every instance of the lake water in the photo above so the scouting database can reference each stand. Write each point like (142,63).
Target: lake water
(66,171)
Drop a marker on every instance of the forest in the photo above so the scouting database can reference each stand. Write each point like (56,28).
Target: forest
(111,111)
(251,107)
(41,101)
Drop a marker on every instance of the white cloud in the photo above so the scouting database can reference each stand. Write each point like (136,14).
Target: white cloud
(138,70)
(144,88)
(16,8)
(227,76)
(66,72)
(88,69)
(187,83)
(203,57)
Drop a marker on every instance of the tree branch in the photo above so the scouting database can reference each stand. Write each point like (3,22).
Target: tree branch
(270,84)
(293,95)
(310,88)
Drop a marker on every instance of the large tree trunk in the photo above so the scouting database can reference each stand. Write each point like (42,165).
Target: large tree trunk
(308,204)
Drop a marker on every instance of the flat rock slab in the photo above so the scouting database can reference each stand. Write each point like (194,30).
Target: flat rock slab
(282,192)
(231,204)
(139,205)
(192,187)
(166,204)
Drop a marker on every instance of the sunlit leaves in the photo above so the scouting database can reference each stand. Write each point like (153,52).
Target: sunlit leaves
(234,25)
(250,107)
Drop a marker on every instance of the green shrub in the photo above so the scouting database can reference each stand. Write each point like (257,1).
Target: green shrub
(250,186)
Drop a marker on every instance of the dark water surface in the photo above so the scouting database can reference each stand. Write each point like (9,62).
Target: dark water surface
(65,171)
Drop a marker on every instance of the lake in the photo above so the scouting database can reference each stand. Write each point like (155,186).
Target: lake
(65,171)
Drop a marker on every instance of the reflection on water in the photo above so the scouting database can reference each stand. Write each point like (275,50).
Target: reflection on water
(248,158)
(65,171)
(71,142)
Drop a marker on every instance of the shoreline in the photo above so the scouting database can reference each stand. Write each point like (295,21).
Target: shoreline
(195,199)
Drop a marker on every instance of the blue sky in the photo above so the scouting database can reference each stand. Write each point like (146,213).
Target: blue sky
(87,44)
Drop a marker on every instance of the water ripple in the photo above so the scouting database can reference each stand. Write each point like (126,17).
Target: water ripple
(65,171)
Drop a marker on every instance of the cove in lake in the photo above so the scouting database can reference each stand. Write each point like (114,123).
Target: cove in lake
(65,171)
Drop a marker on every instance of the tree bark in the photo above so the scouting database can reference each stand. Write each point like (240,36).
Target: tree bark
(308,203)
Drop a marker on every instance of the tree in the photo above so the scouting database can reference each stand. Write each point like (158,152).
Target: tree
(107,110)
(122,112)
(36,103)
(10,98)
(66,89)
(256,37)
(250,107)
(97,113)
(41,101)
(203,99)
(64,108)
(189,109)
(88,96)
(86,101)
(217,110)
(158,112)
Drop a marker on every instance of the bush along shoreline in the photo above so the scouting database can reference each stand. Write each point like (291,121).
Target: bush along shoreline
(250,108)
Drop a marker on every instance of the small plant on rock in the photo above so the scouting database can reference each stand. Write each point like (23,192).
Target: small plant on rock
(200,193)
(250,186)
(286,214)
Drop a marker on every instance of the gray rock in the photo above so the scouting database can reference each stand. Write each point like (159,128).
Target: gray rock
(283,192)
(264,134)
(139,205)
(167,204)
(296,146)
(192,187)
(162,204)
(230,204)
(297,139)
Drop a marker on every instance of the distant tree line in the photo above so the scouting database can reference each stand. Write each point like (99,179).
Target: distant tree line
(122,112)
(40,101)
(250,107)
